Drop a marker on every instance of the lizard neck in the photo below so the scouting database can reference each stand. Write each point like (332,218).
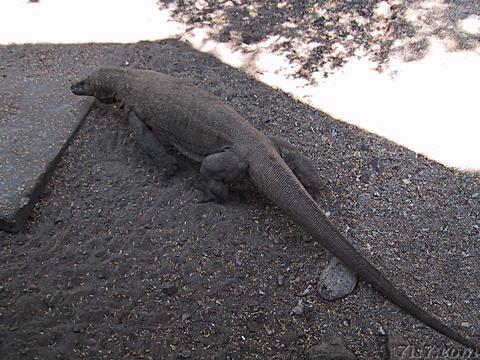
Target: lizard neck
(110,85)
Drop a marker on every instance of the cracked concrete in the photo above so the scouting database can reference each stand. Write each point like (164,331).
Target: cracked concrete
(39,118)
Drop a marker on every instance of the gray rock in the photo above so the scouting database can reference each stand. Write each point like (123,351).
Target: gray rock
(299,309)
(397,347)
(185,354)
(307,291)
(365,175)
(331,348)
(382,331)
(336,281)
(364,147)
(76,329)
(363,202)
(377,165)
(289,338)
(253,326)
(170,289)
(269,331)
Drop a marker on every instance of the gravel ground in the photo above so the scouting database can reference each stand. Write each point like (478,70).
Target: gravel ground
(118,262)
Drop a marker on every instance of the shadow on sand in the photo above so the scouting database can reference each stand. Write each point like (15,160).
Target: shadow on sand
(324,35)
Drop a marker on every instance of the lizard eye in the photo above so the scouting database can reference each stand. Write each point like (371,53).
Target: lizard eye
(81,88)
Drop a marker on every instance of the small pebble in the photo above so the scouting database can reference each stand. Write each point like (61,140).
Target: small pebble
(377,164)
(336,281)
(299,309)
(307,291)
(329,348)
(364,147)
(383,9)
(33,288)
(382,331)
(170,289)
(365,175)
(185,354)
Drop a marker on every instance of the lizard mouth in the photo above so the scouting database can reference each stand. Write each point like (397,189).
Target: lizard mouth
(81,88)
(78,89)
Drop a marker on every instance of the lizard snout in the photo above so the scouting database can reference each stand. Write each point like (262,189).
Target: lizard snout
(80,88)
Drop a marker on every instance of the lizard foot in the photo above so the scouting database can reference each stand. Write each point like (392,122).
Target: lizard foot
(170,166)
(213,191)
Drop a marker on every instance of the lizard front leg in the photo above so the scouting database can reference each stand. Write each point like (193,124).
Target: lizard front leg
(151,145)
(220,169)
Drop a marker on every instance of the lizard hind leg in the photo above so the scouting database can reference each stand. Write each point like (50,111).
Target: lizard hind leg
(220,169)
(302,166)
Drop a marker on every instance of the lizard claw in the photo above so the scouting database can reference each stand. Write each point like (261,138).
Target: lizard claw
(213,191)
(170,167)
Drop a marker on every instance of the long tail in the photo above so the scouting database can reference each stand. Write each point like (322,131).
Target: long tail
(273,177)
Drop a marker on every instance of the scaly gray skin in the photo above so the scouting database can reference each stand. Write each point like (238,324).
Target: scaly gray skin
(205,129)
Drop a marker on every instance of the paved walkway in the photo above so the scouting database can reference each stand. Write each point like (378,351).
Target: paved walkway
(39,116)
(43,118)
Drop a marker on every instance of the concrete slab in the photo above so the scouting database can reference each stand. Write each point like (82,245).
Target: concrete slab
(39,115)
(38,118)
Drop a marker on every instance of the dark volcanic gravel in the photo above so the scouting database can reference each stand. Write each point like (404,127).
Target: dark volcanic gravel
(118,262)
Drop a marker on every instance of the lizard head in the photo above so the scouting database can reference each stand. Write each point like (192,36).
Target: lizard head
(95,85)
(83,87)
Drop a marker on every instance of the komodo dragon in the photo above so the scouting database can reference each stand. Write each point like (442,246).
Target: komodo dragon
(202,127)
